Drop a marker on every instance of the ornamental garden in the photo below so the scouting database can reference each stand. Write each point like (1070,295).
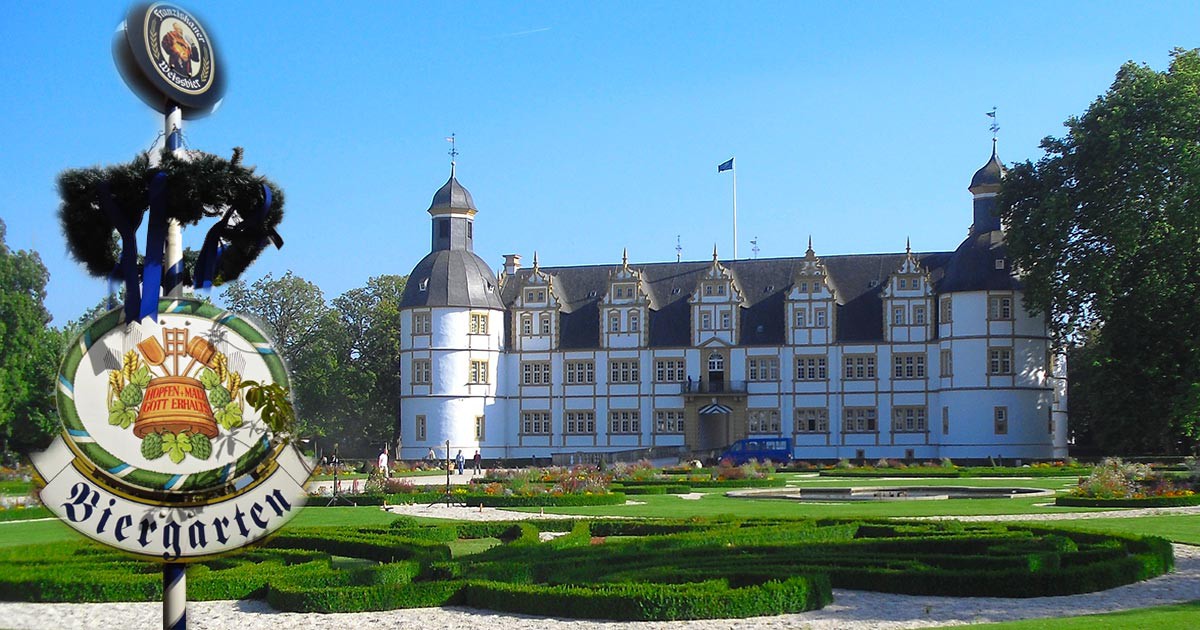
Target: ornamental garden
(632,542)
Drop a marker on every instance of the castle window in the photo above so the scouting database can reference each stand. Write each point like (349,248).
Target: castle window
(668,370)
(545,324)
(705,321)
(919,315)
(720,289)
(479,372)
(903,283)
(859,420)
(945,420)
(898,315)
(945,315)
(526,324)
(535,372)
(421,371)
(907,366)
(629,421)
(811,369)
(535,423)
(762,421)
(420,428)
(804,287)
(614,322)
(800,318)
(634,322)
(581,422)
(478,324)
(946,359)
(421,323)
(716,362)
(726,320)
(1000,361)
(424,284)
(859,367)
(708,289)
(819,315)
(908,419)
(812,420)
(479,424)
(999,307)
(1000,414)
(580,372)
(668,421)
(762,369)
(623,371)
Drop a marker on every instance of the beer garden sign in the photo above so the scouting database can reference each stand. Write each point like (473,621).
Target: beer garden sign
(172,448)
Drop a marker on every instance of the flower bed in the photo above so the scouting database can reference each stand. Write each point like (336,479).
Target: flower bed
(1114,483)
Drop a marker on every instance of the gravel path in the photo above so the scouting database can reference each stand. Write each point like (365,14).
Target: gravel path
(851,610)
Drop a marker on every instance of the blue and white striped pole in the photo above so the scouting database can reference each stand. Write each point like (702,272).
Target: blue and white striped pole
(173,260)
(174,596)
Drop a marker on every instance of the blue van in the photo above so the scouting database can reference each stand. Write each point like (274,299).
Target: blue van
(778,450)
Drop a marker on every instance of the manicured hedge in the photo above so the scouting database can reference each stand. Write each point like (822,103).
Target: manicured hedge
(487,500)
(1148,502)
(976,471)
(24,513)
(632,489)
(651,602)
(625,569)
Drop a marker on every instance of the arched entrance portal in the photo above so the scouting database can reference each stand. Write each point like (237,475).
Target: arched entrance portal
(713,427)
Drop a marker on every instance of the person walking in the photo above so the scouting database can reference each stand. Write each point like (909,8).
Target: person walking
(383,463)
(459,461)
(478,461)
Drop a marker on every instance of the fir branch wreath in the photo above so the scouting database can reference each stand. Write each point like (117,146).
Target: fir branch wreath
(198,186)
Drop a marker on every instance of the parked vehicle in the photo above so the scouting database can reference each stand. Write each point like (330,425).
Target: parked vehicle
(778,450)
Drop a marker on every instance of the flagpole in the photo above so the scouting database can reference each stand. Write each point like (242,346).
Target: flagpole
(735,240)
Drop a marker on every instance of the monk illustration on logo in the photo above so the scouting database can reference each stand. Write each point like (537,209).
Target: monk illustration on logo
(180,50)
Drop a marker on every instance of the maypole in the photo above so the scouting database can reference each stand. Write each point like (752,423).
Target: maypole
(148,389)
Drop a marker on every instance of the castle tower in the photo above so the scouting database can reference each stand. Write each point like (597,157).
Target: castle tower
(993,357)
(451,338)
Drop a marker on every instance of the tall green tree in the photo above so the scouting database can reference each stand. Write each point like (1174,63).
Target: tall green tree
(29,353)
(370,319)
(1106,230)
(296,315)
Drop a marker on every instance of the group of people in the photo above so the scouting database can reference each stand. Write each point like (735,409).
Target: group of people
(459,461)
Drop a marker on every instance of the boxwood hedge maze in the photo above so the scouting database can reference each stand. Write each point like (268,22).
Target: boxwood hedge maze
(611,569)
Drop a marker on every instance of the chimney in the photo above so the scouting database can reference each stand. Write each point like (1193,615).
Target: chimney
(512,264)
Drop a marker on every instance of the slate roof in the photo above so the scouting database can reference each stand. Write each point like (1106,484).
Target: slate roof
(452,195)
(451,277)
(987,178)
(858,279)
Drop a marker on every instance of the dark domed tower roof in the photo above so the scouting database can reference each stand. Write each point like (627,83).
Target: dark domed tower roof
(451,277)
(987,179)
(452,196)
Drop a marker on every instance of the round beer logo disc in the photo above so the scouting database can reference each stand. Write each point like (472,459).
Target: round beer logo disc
(168,57)
(155,417)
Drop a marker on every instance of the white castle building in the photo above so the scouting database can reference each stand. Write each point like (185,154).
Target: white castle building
(903,355)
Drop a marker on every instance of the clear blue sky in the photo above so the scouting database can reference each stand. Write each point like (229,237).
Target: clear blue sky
(584,127)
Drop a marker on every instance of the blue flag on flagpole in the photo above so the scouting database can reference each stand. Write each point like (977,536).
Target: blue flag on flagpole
(725,166)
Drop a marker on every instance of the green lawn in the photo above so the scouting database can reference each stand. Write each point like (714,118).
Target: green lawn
(1183,528)
(15,487)
(19,533)
(1160,618)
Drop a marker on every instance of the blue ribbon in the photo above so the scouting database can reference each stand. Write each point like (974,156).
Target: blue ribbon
(127,266)
(156,236)
(210,253)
